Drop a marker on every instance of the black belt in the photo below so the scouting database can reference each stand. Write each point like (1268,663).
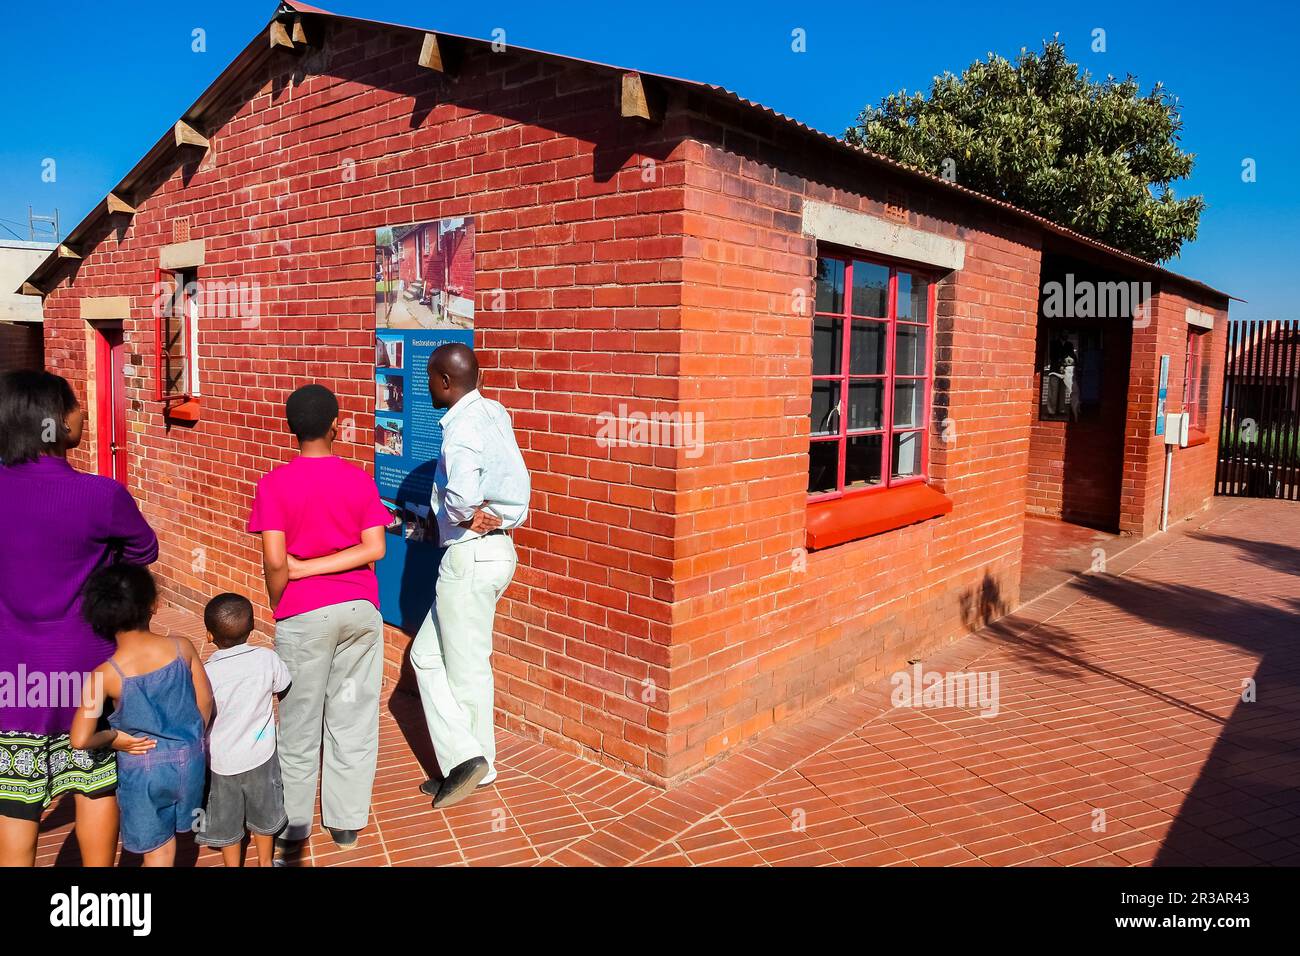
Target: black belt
(488,534)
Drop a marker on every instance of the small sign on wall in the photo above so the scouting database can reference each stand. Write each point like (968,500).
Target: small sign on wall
(1162,394)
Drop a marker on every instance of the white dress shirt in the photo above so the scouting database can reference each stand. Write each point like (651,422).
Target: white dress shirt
(480,463)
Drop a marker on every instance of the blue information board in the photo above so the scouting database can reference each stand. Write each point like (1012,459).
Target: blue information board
(1162,394)
(422,302)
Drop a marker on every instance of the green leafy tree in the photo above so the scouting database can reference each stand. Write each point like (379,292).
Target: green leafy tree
(1097,157)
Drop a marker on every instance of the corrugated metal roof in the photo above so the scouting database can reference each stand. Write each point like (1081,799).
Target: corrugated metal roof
(258,49)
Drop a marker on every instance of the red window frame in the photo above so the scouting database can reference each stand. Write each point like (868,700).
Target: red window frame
(1195,399)
(180,295)
(888,377)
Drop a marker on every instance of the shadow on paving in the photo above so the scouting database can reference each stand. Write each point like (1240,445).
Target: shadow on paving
(1271,554)
(1244,807)
(62,815)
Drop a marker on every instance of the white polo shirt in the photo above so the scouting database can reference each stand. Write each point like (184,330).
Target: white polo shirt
(244,678)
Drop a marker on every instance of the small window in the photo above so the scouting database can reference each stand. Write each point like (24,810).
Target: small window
(1196,378)
(872,375)
(177,317)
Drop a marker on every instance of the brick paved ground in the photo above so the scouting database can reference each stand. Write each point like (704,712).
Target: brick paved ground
(1121,739)
(1055,551)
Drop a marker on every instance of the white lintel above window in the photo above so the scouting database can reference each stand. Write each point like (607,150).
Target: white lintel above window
(858,230)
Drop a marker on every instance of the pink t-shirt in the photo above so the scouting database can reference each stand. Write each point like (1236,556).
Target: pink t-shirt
(322,505)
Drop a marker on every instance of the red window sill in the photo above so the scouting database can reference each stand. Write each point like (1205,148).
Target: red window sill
(1196,437)
(186,411)
(861,516)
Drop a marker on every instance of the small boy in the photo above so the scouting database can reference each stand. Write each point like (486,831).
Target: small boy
(245,790)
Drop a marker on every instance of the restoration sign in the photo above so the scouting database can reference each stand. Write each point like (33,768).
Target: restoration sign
(424,298)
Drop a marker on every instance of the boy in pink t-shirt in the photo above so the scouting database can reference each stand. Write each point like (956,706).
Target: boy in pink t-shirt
(322,527)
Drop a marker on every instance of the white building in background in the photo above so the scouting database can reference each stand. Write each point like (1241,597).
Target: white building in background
(22,342)
(18,259)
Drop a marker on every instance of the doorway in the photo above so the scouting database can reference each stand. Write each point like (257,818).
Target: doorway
(110,400)
(1085,326)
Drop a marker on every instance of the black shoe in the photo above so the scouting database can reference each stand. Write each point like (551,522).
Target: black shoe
(287,852)
(344,839)
(431,786)
(460,783)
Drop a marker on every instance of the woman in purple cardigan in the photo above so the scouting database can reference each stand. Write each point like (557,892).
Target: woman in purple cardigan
(56,527)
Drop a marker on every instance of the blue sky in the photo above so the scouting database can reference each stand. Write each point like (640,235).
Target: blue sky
(93,87)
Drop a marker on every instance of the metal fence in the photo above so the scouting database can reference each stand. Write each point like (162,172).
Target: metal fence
(1259,439)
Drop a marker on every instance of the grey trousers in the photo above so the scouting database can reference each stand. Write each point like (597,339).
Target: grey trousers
(335,656)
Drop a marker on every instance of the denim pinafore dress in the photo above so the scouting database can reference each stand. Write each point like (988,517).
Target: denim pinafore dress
(160,793)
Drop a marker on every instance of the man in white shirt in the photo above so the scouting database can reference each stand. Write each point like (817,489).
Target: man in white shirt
(481,491)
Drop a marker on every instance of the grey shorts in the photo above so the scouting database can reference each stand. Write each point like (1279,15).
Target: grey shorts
(252,800)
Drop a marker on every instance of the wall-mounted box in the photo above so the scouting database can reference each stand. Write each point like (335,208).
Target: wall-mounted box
(1177,429)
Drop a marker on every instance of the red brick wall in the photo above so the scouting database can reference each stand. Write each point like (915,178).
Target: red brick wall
(409,261)
(21,346)
(458,248)
(763,631)
(585,244)
(1192,484)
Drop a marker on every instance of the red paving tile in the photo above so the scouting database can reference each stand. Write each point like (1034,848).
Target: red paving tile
(1121,739)
(1055,551)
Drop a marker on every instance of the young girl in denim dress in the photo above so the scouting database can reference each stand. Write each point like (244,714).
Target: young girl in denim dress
(163,702)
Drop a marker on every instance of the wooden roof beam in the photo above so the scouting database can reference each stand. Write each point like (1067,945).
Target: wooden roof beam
(440,54)
(187,135)
(30,289)
(641,99)
(116,204)
(279,35)
(288,33)
(64,252)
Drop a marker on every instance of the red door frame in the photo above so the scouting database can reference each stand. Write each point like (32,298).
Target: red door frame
(110,401)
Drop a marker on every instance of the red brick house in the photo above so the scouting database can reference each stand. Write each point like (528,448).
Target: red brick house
(414,252)
(863,348)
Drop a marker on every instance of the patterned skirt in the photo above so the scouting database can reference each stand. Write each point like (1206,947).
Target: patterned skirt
(37,768)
